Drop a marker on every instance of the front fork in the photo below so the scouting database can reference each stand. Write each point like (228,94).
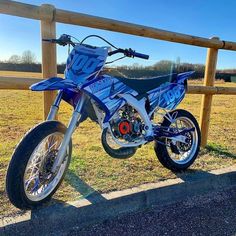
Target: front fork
(54,108)
(71,127)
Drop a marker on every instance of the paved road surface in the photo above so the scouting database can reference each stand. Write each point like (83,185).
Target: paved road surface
(211,214)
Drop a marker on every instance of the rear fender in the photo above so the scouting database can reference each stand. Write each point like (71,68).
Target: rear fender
(183,77)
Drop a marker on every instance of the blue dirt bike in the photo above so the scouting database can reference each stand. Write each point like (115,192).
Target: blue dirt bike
(124,109)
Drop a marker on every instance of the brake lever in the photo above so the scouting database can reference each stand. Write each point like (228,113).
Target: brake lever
(129,52)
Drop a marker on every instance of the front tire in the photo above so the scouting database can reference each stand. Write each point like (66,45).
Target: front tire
(29,182)
(168,156)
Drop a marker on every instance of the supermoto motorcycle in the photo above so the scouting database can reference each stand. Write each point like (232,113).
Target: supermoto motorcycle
(130,112)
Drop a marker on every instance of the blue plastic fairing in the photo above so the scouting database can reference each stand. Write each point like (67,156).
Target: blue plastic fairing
(54,83)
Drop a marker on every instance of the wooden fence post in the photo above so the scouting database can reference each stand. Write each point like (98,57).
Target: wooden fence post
(209,79)
(49,61)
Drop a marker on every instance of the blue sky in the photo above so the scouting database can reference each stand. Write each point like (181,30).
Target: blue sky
(197,17)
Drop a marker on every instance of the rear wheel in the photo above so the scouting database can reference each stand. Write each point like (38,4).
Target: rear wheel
(176,155)
(29,181)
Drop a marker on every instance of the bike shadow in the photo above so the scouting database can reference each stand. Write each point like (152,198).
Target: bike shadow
(192,175)
(83,188)
(58,212)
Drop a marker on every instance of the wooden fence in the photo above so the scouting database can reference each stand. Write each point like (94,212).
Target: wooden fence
(49,15)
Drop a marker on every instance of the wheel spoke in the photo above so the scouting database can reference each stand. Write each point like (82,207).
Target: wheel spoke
(27,183)
(36,186)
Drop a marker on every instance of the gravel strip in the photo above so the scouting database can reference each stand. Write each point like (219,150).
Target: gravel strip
(209,214)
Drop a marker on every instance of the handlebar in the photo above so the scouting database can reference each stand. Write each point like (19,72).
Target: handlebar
(129,53)
(66,39)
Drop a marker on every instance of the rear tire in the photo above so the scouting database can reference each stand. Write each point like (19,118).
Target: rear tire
(23,154)
(164,154)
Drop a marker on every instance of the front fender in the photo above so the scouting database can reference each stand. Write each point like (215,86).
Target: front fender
(54,83)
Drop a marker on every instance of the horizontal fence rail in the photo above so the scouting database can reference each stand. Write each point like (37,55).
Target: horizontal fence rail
(49,15)
(194,89)
(19,83)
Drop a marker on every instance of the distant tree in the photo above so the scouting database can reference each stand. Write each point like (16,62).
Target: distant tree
(177,64)
(178,60)
(164,66)
(136,66)
(14,59)
(199,68)
(28,57)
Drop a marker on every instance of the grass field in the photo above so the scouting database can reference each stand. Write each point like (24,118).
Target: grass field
(91,168)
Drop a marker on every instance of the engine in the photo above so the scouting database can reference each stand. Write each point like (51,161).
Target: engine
(127,125)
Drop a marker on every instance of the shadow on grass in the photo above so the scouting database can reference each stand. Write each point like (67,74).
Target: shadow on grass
(83,188)
(219,151)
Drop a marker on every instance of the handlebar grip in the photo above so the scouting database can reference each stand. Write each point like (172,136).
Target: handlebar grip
(140,55)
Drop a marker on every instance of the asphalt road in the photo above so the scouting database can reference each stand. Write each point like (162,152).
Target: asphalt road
(211,214)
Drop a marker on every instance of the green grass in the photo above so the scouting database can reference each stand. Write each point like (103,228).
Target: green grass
(219,151)
(91,169)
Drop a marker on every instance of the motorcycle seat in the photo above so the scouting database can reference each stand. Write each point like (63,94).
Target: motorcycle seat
(144,85)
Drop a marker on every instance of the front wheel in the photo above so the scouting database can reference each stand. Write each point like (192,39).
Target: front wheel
(29,181)
(176,155)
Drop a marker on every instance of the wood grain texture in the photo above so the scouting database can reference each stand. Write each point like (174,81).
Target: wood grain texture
(209,79)
(49,58)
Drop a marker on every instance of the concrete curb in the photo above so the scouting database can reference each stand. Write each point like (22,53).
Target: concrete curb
(62,216)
